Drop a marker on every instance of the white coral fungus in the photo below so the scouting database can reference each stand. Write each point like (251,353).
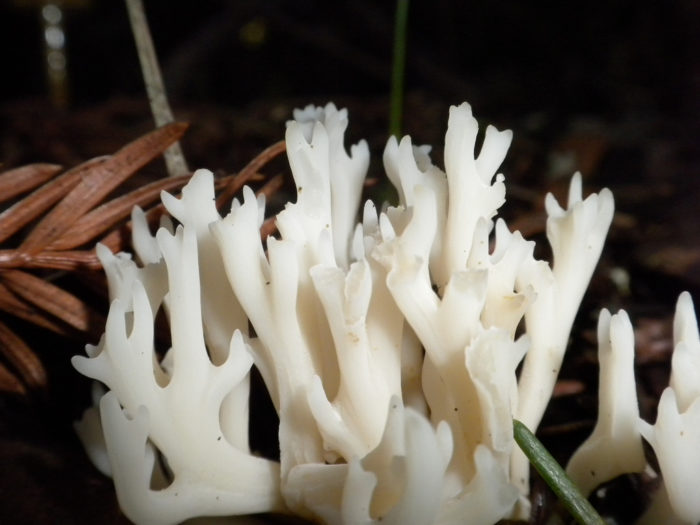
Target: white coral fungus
(388,346)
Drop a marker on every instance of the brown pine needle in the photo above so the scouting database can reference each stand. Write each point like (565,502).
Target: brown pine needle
(29,208)
(22,359)
(99,182)
(51,298)
(70,260)
(20,308)
(246,173)
(9,382)
(19,180)
(104,217)
(272,186)
(66,214)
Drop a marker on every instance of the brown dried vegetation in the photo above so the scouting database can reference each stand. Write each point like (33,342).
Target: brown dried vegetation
(53,229)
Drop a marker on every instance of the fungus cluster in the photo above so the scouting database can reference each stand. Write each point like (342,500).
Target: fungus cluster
(388,345)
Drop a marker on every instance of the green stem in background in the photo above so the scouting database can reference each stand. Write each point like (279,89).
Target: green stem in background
(399,65)
(162,114)
(552,473)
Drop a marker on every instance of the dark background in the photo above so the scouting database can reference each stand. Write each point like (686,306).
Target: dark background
(610,88)
(603,58)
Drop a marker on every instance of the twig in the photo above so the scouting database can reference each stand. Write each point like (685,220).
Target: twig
(162,114)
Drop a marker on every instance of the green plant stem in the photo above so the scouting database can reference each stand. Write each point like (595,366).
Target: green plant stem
(398,68)
(552,473)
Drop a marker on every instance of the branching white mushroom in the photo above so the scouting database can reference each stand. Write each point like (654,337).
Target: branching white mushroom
(177,411)
(615,446)
(388,345)
(675,436)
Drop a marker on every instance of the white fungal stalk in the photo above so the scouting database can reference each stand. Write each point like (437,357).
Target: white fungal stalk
(675,437)
(615,446)
(388,346)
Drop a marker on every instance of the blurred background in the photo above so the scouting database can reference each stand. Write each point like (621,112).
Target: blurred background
(608,88)
(621,61)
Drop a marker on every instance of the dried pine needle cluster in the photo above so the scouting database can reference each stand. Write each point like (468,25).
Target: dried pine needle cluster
(50,223)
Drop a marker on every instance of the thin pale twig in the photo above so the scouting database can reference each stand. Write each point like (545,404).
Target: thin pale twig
(162,114)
